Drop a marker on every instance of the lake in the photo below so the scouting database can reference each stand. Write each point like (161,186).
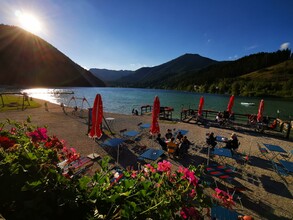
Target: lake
(123,100)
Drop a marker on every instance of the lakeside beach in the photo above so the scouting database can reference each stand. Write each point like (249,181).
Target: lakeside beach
(267,195)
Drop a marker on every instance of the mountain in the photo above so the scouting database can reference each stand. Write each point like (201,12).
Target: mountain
(110,75)
(260,74)
(153,76)
(28,61)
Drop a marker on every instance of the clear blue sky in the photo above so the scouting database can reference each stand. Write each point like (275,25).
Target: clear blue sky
(129,34)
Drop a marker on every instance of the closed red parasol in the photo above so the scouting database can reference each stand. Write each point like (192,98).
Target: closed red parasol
(97,117)
(200,106)
(260,111)
(230,104)
(155,128)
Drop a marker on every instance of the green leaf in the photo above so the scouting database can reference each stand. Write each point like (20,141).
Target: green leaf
(83,182)
(32,185)
(146,185)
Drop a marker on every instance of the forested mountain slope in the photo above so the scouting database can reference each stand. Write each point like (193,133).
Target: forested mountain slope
(28,61)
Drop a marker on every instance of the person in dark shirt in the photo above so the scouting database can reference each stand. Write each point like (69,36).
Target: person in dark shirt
(184,146)
(211,140)
(233,142)
(169,134)
(179,136)
(161,142)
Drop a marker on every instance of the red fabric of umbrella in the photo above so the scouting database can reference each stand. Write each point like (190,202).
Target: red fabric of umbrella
(230,104)
(260,110)
(155,128)
(200,106)
(97,117)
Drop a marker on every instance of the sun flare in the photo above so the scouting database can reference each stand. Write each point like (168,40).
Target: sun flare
(29,22)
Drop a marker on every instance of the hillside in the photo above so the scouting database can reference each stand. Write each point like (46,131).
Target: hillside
(276,73)
(28,61)
(261,74)
(110,75)
(153,76)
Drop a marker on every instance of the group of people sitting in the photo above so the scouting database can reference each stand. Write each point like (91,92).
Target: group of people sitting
(232,143)
(175,144)
(222,118)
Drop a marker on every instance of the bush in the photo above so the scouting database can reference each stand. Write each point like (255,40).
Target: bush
(33,185)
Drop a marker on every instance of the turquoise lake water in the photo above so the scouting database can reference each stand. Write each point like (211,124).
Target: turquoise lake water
(123,100)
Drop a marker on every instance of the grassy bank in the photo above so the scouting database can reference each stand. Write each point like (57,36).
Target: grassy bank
(16,102)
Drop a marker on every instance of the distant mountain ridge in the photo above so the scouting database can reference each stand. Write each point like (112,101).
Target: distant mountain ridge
(156,74)
(192,72)
(26,60)
(110,75)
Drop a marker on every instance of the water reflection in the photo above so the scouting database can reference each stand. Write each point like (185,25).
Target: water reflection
(56,96)
(123,100)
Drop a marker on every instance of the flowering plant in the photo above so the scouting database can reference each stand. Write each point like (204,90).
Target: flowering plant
(33,186)
(155,191)
(224,198)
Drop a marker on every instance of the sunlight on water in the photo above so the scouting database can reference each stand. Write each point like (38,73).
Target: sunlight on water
(51,95)
(123,100)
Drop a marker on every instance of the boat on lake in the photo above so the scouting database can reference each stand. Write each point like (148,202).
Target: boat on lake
(247,103)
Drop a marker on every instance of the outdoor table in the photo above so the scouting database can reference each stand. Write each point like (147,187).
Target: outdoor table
(144,126)
(274,149)
(130,133)
(222,153)
(221,139)
(183,132)
(288,165)
(152,154)
(110,122)
(221,213)
(114,142)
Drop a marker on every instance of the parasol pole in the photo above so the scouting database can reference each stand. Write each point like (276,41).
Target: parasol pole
(107,125)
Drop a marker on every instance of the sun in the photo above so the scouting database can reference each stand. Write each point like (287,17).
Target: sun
(29,22)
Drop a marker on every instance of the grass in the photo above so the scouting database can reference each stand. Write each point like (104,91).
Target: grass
(280,72)
(16,102)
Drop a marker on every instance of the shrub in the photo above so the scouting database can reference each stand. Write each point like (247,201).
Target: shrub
(33,185)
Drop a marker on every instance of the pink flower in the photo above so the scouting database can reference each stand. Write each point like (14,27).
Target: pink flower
(70,154)
(189,212)
(150,168)
(164,166)
(13,131)
(5,142)
(192,194)
(224,197)
(134,174)
(189,175)
(40,134)
(54,142)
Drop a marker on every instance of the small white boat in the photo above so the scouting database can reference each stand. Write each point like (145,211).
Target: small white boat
(247,103)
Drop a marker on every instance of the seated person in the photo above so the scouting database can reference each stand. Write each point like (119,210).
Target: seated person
(179,136)
(172,147)
(211,140)
(273,125)
(161,142)
(226,115)
(184,146)
(232,116)
(134,112)
(233,142)
(219,117)
(169,134)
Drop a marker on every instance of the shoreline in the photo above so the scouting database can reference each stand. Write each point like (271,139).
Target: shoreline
(266,191)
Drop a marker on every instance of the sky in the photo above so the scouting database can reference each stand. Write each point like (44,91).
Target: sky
(130,34)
